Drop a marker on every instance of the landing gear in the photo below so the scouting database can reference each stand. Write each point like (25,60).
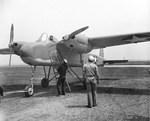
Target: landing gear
(29,91)
(44,83)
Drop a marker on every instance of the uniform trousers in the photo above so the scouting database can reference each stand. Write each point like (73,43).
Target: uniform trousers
(91,92)
(61,85)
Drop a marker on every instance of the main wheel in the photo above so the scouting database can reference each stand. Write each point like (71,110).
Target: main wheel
(29,91)
(44,83)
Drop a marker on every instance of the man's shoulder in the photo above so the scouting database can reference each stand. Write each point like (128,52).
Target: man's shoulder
(86,64)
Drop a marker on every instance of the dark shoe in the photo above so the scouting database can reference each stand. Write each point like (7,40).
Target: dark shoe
(58,95)
(89,106)
(94,105)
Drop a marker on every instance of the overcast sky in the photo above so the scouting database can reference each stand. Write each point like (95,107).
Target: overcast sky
(61,17)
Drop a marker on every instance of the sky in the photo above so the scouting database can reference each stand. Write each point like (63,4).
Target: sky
(60,17)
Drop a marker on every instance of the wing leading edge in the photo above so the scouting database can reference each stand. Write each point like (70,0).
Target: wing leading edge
(102,42)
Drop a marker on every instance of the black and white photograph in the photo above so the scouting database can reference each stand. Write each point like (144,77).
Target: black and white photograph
(74,60)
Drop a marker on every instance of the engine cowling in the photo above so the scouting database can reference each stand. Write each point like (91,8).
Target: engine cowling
(79,44)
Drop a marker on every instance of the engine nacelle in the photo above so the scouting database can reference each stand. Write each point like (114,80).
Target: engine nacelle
(79,44)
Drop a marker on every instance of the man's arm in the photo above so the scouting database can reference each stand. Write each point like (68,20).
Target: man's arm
(59,69)
(97,75)
(84,73)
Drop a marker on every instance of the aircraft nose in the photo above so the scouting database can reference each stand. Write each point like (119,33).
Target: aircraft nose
(25,51)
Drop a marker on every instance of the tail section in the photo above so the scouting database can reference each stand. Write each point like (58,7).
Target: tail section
(101,52)
(99,58)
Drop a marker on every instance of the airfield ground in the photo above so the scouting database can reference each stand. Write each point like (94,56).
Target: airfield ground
(123,95)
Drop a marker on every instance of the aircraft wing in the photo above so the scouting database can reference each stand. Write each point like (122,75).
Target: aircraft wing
(102,42)
(5,51)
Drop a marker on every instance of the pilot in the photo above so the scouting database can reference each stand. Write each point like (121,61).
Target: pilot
(51,38)
(91,74)
(62,77)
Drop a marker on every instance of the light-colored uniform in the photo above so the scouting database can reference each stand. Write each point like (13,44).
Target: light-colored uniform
(90,72)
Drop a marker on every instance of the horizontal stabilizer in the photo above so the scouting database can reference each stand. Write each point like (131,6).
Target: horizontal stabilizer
(114,61)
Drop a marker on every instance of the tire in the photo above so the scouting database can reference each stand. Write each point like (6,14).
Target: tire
(29,91)
(44,83)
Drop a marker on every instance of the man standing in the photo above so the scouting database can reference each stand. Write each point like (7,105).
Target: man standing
(1,92)
(62,77)
(90,72)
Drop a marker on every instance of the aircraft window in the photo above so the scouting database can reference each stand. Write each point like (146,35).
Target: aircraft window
(43,36)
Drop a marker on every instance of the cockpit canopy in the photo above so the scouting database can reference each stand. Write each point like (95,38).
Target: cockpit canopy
(45,37)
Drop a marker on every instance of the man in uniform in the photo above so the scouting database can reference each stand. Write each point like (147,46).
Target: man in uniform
(90,72)
(62,77)
(1,92)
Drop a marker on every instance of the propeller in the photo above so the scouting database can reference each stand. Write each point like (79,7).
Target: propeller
(67,37)
(11,42)
(75,33)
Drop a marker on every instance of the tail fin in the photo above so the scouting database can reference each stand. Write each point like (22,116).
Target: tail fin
(101,52)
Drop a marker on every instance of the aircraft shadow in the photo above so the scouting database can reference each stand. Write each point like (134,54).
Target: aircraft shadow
(75,88)
(78,88)
(138,118)
(77,106)
(124,91)
(12,91)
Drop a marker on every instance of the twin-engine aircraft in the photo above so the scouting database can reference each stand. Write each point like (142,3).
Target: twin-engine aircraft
(74,47)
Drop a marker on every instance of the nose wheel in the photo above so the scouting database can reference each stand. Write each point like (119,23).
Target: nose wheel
(29,91)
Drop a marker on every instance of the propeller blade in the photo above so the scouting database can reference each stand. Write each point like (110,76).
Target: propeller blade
(11,42)
(71,35)
(78,31)
(11,34)
(10,59)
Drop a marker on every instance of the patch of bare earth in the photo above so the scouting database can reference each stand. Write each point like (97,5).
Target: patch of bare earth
(115,103)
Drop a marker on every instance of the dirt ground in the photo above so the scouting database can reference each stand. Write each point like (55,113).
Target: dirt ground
(126,99)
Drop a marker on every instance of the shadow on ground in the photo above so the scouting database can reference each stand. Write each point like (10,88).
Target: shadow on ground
(138,118)
(124,91)
(75,88)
